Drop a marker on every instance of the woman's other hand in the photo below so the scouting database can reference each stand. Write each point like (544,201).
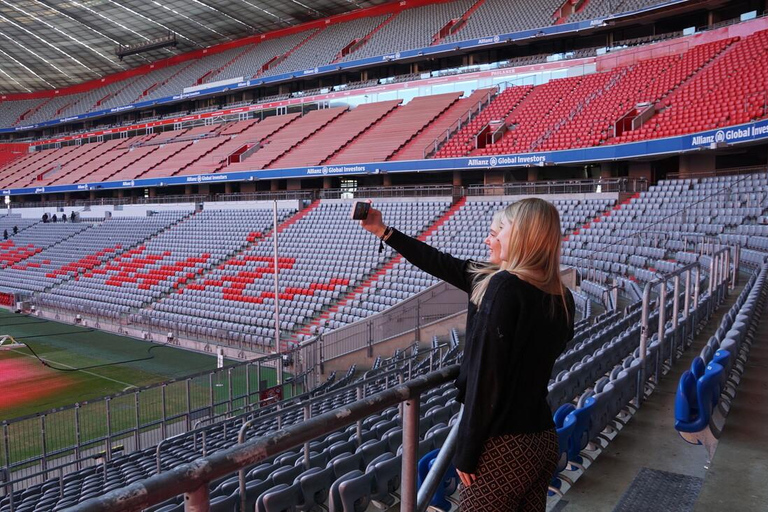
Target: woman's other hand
(373,223)
(466,478)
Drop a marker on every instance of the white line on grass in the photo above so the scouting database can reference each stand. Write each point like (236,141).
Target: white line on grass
(74,368)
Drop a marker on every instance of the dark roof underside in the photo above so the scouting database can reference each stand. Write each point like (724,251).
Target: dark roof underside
(48,44)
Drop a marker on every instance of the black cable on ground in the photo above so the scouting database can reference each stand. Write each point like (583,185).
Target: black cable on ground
(49,365)
(25,323)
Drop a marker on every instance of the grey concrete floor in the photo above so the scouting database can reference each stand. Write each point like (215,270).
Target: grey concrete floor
(649,440)
(738,477)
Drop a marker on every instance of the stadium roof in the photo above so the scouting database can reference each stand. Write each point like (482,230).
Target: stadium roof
(48,44)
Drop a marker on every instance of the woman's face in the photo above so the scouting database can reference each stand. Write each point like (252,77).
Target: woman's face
(505,232)
(492,242)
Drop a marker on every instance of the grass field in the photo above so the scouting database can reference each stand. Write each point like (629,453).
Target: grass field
(84,365)
(93,352)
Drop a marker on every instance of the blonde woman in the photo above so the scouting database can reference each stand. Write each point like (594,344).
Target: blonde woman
(519,318)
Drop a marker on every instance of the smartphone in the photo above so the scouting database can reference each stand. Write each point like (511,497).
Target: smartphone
(360,210)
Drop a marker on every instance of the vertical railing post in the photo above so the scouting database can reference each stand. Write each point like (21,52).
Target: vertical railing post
(418,320)
(210,393)
(410,453)
(44,461)
(163,428)
(675,315)
(307,415)
(230,405)
(687,306)
(198,500)
(247,385)
(359,426)
(188,385)
(137,434)
(108,455)
(643,343)
(370,338)
(662,316)
(7,447)
(77,436)
(712,277)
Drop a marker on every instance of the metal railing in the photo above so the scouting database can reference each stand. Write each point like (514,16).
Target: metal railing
(193,479)
(608,185)
(543,187)
(433,304)
(719,172)
(436,473)
(463,120)
(34,446)
(389,192)
(718,282)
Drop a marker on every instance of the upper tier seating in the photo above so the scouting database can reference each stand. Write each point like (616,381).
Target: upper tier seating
(495,17)
(323,46)
(729,91)
(379,35)
(574,112)
(410,28)
(330,139)
(415,149)
(395,130)
(285,140)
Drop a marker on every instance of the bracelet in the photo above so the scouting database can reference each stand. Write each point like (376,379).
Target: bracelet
(387,233)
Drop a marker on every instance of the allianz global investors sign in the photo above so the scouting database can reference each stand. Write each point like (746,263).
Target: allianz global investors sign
(730,135)
(506,160)
(336,169)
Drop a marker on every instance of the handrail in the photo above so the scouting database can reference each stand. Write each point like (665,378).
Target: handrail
(542,187)
(719,270)
(276,410)
(439,467)
(193,478)
(662,280)
(464,119)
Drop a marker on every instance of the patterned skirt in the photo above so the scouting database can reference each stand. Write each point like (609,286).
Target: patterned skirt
(513,474)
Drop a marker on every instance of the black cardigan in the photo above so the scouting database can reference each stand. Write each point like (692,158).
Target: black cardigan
(512,343)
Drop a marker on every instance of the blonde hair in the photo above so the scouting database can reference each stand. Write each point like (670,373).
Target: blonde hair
(483,270)
(533,253)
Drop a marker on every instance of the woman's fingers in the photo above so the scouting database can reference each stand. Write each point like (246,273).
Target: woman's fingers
(466,478)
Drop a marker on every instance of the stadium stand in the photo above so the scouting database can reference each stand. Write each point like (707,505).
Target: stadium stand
(305,50)
(410,28)
(285,140)
(594,380)
(415,148)
(330,139)
(706,391)
(161,264)
(323,46)
(395,130)
(207,275)
(78,254)
(575,112)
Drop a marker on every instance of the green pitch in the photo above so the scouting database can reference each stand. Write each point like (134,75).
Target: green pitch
(83,365)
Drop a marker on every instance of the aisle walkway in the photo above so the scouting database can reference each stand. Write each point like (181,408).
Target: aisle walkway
(737,479)
(740,466)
